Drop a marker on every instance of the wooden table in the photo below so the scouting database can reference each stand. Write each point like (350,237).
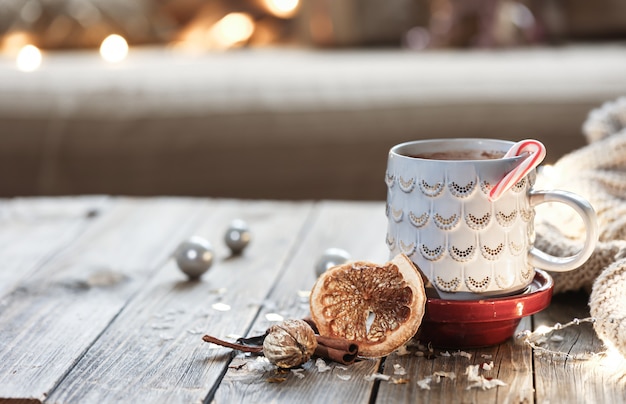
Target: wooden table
(93,309)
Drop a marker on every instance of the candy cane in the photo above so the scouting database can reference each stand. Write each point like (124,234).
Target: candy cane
(537,152)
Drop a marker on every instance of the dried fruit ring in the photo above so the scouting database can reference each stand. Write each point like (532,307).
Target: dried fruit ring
(380,307)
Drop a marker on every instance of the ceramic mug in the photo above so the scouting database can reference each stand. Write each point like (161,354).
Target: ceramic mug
(469,247)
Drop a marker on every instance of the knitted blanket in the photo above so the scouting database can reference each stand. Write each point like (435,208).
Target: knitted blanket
(598,173)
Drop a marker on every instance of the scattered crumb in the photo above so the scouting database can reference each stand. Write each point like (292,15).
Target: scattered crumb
(446,354)
(377,376)
(487,384)
(486,356)
(424,384)
(321,365)
(274,317)
(472,373)
(219,306)
(260,364)
(344,376)
(439,375)
(298,373)
(401,380)
(479,381)
(212,346)
(462,353)
(276,379)
(398,369)
(487,366)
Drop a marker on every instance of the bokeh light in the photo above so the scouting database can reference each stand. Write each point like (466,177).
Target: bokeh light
(232,30)
(114,49)
(282,8)
(28,58)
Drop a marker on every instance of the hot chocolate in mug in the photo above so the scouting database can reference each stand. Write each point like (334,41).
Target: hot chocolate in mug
(468,245)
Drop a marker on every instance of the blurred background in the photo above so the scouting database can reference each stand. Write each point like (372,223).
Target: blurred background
(285,99)
(220,24)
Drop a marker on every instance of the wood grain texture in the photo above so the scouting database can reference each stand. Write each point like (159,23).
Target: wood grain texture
(55,314)
(95,310)
(359,228)
(597,378)
(153,351)
(33,231)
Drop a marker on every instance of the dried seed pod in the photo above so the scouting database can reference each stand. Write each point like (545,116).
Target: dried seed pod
(290,343)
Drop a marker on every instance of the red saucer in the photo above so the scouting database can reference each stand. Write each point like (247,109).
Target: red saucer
(478,323)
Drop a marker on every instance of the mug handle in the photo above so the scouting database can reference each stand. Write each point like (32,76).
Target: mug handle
(543,260)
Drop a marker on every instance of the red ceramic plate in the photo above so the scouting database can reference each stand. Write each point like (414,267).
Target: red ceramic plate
(478,323)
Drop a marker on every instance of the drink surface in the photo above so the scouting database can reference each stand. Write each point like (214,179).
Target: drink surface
(461,155)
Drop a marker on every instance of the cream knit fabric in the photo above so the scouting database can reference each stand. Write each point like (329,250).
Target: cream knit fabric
(598,173)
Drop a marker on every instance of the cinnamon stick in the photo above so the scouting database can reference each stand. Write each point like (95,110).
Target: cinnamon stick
(336,349)
(338,343)
(233,345)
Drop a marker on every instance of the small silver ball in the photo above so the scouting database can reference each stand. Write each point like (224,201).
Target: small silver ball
(331,257)
(237,236)
(194,257)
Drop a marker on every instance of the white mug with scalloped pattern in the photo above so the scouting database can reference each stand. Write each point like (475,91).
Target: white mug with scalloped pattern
(468,246)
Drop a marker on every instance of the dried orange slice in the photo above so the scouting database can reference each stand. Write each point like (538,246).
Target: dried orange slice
(379,307)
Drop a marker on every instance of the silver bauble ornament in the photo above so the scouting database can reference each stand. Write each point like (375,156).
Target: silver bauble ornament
(330,258)
(194,257)
(237,236)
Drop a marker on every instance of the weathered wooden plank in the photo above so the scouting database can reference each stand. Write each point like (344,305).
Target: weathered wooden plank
(562,378)
(32,231)
(512,364)
(105,316)
(55,314)
(153,351)
(358,228)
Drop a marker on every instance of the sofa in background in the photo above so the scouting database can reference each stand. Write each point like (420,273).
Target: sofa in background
(280,123)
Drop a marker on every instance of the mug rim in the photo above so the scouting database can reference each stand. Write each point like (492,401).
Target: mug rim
(497,144)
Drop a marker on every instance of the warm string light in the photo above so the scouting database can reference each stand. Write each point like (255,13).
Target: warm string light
(28,58)
(114,48)
(282,8)
(536,338)
(232,30)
